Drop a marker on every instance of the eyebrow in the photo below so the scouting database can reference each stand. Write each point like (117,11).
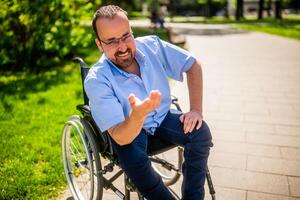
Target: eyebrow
(110,39)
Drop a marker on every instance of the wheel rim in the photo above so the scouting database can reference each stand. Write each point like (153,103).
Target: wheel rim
(173,156)
(78,161)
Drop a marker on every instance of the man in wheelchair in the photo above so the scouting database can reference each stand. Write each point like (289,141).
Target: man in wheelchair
(129,97)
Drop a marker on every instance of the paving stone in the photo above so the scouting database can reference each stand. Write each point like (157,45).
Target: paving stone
(227,194)
(291,121)
(228,136)
(294,183)
(263,196)
(283,110)
(290,153)
(258,118)
(263,150)
(273,165)
(272,119)
(246,180)
(245,148)
(260,128)
(256,108)
(288,130)
(232,161)
(225,116)
(227,125)
(269,139)
(296,106)
(235,108)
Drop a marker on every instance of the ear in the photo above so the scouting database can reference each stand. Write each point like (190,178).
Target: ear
(99,44)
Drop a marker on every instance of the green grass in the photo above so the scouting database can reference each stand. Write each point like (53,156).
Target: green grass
(289,26)
(33,110)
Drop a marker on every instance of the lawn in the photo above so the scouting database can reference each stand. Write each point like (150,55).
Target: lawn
(289,26)
(33,109)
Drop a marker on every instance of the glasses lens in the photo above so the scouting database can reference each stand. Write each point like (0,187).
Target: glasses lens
(115,43)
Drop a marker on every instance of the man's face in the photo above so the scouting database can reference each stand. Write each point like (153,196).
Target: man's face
(116,40)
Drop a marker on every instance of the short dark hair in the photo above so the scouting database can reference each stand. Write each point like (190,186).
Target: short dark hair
(108,11)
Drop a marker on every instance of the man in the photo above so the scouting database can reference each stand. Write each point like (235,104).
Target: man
(130,98)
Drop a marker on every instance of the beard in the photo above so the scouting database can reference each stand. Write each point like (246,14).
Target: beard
(124,59)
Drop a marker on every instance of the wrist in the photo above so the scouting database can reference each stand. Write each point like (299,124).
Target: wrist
(138,116)
(198,111)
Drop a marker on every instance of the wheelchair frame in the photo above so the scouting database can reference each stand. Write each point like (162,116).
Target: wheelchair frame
(97,146)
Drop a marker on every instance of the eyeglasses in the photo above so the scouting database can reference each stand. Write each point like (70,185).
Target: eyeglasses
(115,42)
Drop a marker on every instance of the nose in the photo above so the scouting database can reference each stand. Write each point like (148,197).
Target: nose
(122,46)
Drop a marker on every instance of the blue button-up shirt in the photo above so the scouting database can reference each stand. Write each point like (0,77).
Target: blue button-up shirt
(108,86)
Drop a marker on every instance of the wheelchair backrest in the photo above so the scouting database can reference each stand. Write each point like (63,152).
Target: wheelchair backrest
(84,72)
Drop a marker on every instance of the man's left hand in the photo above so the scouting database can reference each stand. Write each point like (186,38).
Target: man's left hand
(191,120)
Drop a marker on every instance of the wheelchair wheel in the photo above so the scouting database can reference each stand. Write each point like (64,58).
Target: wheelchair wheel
(168,165)
(81,160)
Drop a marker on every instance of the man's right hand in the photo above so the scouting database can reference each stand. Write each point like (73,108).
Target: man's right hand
(142,108)
(125,132)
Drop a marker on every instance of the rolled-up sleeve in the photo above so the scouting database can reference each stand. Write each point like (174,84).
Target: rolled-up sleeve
(105,107)
(175,59)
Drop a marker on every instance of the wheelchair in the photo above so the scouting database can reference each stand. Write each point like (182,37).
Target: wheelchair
(89,159)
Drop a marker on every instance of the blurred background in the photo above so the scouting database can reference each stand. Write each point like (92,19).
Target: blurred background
(40,86)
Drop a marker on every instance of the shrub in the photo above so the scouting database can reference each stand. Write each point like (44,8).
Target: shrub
(38,34)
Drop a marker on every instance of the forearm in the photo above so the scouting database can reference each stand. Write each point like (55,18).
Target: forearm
(126,131)
(195,86)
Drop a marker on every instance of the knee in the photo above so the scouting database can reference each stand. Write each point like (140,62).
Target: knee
(202,135)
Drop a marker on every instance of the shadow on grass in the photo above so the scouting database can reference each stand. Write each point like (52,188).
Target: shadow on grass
(23,84)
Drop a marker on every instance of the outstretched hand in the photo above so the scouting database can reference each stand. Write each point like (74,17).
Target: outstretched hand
(191,120)
(142,108)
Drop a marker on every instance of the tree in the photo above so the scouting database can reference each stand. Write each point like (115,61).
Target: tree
(278,9)
(38,34)
(239,9)
(260,9)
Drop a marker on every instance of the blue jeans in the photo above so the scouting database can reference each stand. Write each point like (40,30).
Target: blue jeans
(134,160)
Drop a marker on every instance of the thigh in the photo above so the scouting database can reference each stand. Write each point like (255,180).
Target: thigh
(171,130)
(133,153)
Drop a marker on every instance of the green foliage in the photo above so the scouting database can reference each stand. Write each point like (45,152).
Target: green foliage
(38,34)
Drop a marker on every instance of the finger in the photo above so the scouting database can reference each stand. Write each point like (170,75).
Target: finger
(157,100)
(181,118)
(131,100)
(199,124)
(153,94)
(191,126)
(186,124)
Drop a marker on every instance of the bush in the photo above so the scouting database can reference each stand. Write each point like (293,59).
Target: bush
(38,34)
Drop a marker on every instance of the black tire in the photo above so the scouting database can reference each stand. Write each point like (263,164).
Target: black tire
(81,159)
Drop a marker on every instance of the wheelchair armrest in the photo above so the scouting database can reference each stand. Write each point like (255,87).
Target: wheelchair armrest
(175,103)
(84,109)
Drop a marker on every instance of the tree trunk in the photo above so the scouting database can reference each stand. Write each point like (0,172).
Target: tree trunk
(278,9)
(239,9)
(269,7)
(260,9)
(226,9)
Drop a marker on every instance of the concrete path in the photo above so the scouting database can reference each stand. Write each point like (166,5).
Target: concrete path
(252,104)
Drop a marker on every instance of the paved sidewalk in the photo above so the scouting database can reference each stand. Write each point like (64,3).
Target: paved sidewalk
(252,104)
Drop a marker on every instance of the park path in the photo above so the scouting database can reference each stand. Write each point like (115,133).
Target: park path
(252,104)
